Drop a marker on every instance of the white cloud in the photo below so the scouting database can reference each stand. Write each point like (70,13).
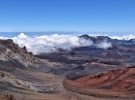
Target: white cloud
(104,45)
(50,43)
(124,37)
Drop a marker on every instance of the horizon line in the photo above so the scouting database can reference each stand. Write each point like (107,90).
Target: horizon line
(59,31)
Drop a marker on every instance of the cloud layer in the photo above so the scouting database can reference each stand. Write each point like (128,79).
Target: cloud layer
(51,43)
(124,37)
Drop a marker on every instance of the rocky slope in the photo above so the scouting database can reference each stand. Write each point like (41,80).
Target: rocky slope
(118,83)
(10,52)
(21,72)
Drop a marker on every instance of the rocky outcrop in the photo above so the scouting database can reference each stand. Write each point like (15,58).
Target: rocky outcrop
(7,97)
(9,51)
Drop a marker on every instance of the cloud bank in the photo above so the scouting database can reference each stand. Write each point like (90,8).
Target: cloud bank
(52,43)
(124,37)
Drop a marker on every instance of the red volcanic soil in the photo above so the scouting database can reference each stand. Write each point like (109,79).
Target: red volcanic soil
(116,83)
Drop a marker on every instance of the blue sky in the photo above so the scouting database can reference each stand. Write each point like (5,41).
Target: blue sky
(67,15)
